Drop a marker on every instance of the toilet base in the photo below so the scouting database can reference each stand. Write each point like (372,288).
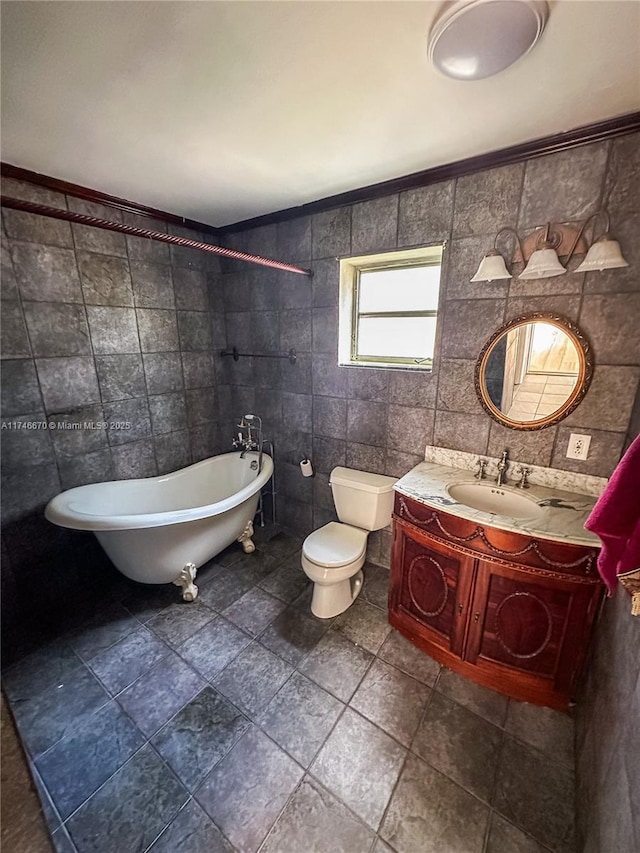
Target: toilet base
(333,599)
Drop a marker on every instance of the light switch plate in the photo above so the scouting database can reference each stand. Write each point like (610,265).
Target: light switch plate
(578,447)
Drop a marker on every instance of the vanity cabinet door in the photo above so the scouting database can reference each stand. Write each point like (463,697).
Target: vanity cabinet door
(528,628)
(430,589)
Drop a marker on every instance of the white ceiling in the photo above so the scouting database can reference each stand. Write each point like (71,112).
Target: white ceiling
(219,111)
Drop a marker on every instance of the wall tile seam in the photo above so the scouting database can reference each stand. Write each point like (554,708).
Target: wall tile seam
(80,251)
(70,248)
(603,184)
(144,369)
(32,359)
(57,459)
(397,237)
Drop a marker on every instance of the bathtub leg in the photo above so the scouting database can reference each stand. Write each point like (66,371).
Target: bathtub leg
(245,538)
(186,580)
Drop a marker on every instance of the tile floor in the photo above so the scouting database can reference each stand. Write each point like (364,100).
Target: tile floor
(539,395)
(241,722)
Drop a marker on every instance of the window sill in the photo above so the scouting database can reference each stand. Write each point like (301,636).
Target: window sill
(375,365)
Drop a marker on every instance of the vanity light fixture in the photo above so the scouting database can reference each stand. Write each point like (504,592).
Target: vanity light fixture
(492,266)
(604,252)
(541,248)
(543,262)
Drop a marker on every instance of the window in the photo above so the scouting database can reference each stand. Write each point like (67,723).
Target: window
(389,308)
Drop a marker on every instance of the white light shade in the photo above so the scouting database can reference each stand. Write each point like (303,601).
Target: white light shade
(474,39)
(492,267)
(605,254)
(543,263)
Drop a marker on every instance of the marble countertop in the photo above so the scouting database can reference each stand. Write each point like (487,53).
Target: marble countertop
(562,517)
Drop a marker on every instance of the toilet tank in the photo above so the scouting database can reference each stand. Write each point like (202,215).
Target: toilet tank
(362,499)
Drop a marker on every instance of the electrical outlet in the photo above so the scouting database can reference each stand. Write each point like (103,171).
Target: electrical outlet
(578,447)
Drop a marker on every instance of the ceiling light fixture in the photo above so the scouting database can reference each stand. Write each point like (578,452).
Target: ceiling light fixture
(474,39)
(540,250)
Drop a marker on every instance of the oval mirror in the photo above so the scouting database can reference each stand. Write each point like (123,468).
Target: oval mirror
(533,371)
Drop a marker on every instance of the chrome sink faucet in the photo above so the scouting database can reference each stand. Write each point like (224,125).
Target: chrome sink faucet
(502,468)
(481,464)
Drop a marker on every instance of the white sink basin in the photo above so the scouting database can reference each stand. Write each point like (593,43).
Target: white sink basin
(487,497)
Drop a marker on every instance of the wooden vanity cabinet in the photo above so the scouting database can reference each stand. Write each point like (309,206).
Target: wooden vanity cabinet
(505,609)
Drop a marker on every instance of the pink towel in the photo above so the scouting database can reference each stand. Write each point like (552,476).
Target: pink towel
(616,519)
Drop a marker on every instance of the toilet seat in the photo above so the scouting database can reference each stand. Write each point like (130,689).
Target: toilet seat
(335,545)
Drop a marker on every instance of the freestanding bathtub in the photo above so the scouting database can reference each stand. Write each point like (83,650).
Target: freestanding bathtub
(162,529)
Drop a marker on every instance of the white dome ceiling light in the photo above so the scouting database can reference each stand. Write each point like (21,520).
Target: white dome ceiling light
(474,39)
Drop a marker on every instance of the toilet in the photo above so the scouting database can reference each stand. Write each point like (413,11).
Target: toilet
(333,555)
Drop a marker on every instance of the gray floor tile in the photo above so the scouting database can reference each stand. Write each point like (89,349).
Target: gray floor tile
(130,809)
(459,744)
(254,611)
(214,646)
(315,821)
(228,586)
(160,694)
(288,581)
(191,832)
(259,562)
(536,794)
(487,703)
(61,841)
(303,603)
(230,555)
(360,764)
(199,736)
(147,600)
(504,837)
(280,545)
(337,665)
(253,678)
(430,814)
(178,622)
(245,793)
(292,635)
(120,665)
(407,657)
(375,589)
(381,847)
(49,811)
(48,716)
(300,716)
(208,572)
(102,631)
(49,665)
(364,624)
(552,732)
(391,700)
(78,764)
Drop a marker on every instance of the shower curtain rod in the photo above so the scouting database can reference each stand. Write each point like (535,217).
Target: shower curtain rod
(83,219)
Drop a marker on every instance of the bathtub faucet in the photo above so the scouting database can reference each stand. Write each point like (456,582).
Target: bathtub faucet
(249,443)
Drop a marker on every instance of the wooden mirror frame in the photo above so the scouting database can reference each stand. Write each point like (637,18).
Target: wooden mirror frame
(585,371)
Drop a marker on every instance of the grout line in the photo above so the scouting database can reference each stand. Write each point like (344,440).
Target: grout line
(253,722)
(165,828)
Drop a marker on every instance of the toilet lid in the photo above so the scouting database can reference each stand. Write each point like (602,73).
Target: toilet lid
(335,545)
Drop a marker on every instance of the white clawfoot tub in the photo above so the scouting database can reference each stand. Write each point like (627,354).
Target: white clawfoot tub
(162,529)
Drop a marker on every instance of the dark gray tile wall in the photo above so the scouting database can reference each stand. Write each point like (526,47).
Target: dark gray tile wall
(607,714)
(608,735)
(381,420)
(97,326)
(104,329)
